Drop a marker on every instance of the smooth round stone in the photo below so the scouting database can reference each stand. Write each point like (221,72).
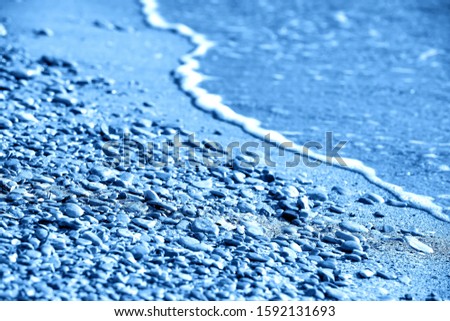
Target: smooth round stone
(103,172)
(349,246)
(139,251)
(395,203)
(246,207)
(326,275)
(290,191)
(73,210)
(288,252)
(336,209)
(328,264)
(164,206)
(386,275)
(352,257)
(68,223)
(124,232)
(65,99)
(353,227)
(41,233)
(317,196)
(375,198)
(289,215)
(147,224)
(379,215)
(194,244)
(205,225)
(219,193)
(203,184)
(366,274)
(418,245)
(92,237)
(150,195)
(336,294)
(26,117)
(239,177)
(257,257)
(253,229)
(5,123)
(346,236)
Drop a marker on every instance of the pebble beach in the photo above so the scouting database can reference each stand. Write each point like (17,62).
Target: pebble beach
(96,203)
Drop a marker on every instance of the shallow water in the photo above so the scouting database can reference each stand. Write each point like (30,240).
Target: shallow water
(376,75)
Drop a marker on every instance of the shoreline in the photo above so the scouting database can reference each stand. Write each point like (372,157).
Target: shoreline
(152,106)
(189,79)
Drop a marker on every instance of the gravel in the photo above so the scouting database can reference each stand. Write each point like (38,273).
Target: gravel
(117,231)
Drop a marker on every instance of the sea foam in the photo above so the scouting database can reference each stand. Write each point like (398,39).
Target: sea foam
(190,78)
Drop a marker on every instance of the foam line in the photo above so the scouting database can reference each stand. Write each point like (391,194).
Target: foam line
(190,79)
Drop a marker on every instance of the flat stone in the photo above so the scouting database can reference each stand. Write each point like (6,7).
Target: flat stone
(396,203)
(317,196)
(386,275)
(7,185)
(103,172)
(73,210)
(326,275)
(303,203)
(352,257)
(346,236)
(387,229)
(93,186)
(47,32)
(139,251)
(150,195)
(349,246)
(74,224)
(5,123)
(364,200)
(125,180)
(194,244)
(207,183)
(353,227)
(163,205)
(341,190)
(374,197)
(24,73)
(379,215)
(330,239)
(289,215)
(336,294)
(88,235)
(3,31)
(253,229)
(413,231)
(147,224)
(26,117)
(418,245)
(328,264)
(65,99)
(219,193)
(238,177)
(257,257)
(336,209)
(290,191)
(205,225)
(366,274)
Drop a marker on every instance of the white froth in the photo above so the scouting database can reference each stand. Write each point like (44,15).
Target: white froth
(190,79)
